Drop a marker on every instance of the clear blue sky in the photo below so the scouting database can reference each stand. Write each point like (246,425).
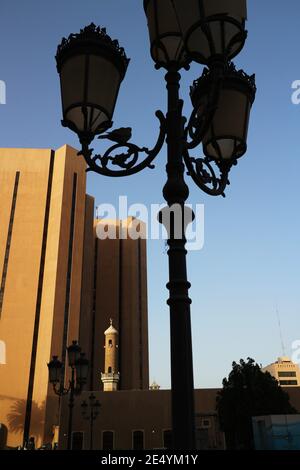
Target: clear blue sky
(250,260)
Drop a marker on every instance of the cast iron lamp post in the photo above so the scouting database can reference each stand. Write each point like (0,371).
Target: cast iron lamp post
(92,66)
(90,412)
(79,373)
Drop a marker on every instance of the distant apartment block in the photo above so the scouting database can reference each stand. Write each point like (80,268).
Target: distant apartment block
(285,371)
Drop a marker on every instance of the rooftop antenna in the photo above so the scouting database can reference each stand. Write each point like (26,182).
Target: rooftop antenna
(280,332)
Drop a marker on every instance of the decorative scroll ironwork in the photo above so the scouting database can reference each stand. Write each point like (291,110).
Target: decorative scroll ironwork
(204,174)
(61,391)
(94,33)
(126,162)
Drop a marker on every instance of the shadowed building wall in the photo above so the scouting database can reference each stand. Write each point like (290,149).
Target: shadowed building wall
(140,419)
(42,208)
(54,270)
(115,286)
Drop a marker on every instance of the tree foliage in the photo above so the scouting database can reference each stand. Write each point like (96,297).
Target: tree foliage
(248,392)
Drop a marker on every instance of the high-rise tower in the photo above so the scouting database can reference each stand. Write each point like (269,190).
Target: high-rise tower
(58,283)
(115,285)
(42,211)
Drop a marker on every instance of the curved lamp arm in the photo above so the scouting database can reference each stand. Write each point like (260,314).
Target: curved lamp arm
(59,390)
(204,175)
(128,161)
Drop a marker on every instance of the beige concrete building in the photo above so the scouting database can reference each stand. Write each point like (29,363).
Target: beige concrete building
(59,282)
(285,371)
(42,205)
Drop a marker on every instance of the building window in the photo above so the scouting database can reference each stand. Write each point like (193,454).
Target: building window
(168,439)
(109,370)
(138,440)
(77,440)
(287,374)
(288,382)
(110,343)
(108,440)
(205,423)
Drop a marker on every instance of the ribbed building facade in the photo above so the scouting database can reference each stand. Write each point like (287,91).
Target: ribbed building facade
(115,287)
(58,283)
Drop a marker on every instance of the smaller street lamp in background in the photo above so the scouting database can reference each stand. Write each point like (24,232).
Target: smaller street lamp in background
(90,411)
(79,366)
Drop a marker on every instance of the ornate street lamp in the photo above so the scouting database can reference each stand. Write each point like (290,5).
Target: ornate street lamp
(55,368)
(91,68)
(212,28)
(74,351)
(211,32)
(226,138)
(167,46)
(224,134)
(79,375)
(90,412)
(82,369)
